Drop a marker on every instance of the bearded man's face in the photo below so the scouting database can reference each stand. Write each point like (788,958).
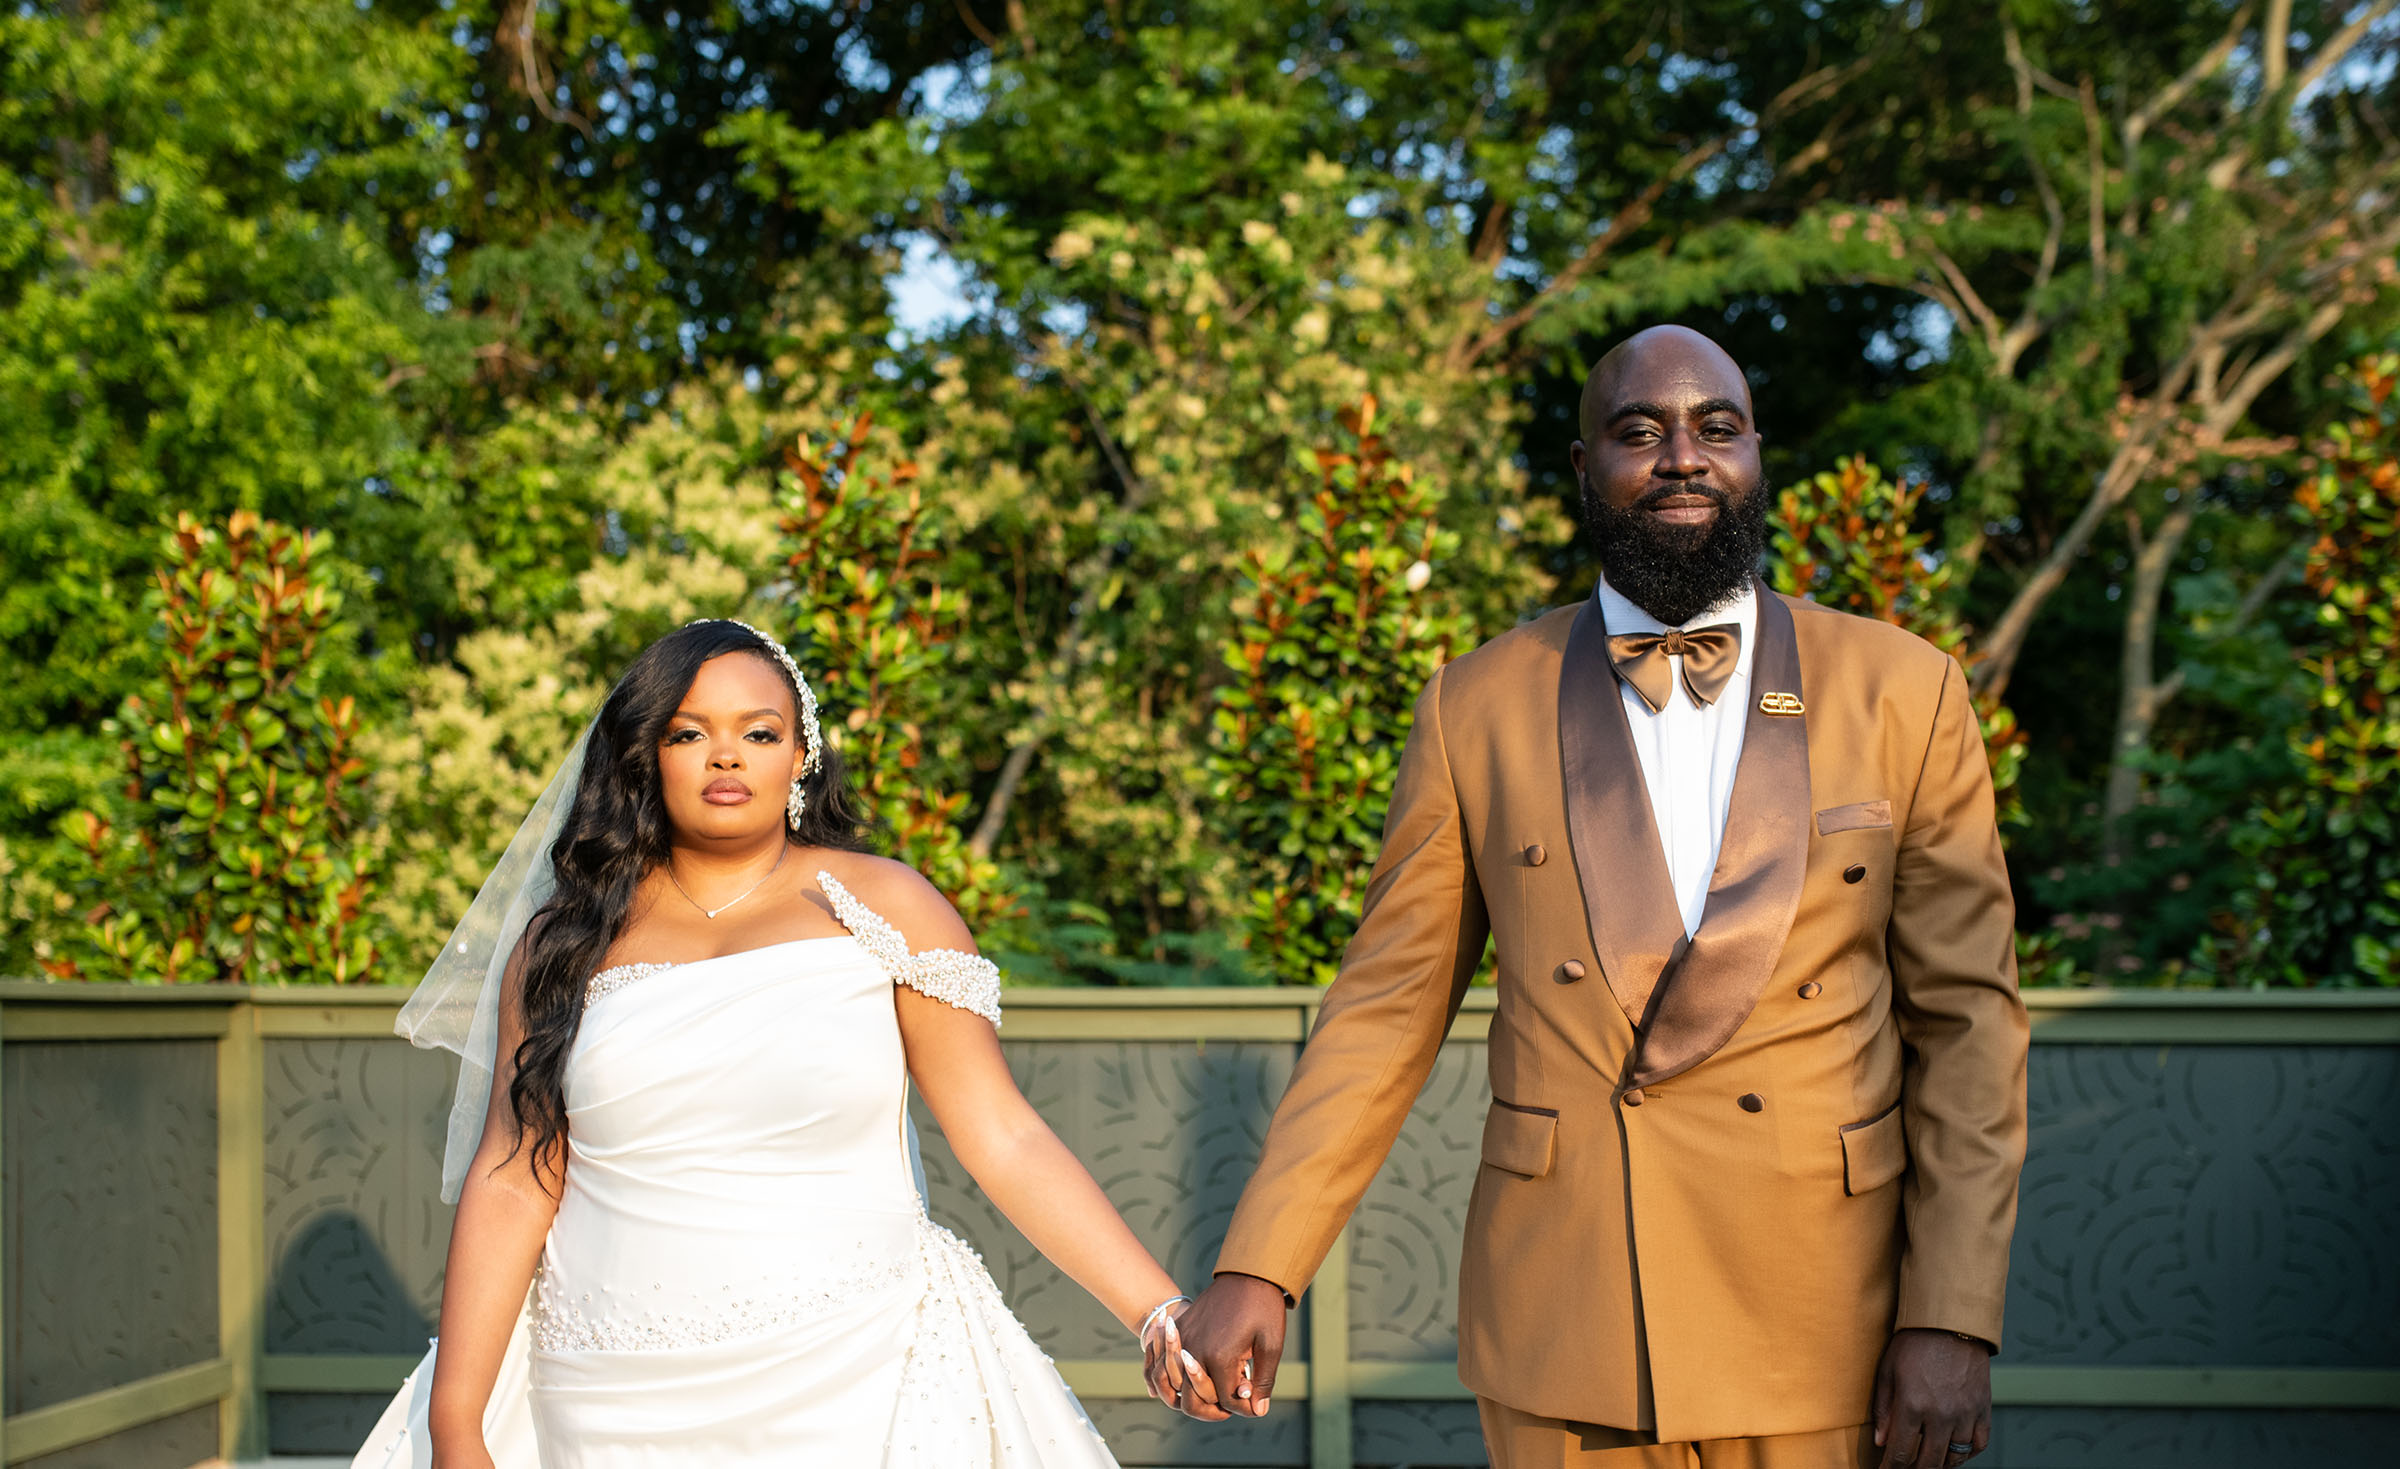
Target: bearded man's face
(1673,492)
(1676,570)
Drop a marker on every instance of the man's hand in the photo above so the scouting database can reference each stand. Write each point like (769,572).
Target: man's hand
(1235,1332)
(1933,1392)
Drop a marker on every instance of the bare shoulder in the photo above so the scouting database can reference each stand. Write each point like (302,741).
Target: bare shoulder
(901,897)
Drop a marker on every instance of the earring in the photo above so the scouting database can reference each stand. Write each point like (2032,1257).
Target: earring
(792,807)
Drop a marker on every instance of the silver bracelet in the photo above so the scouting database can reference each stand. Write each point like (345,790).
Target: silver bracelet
(1143,1335)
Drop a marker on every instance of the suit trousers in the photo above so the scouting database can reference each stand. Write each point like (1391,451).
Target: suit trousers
(1521,1440)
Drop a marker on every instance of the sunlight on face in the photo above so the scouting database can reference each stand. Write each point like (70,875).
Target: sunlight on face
(729,756)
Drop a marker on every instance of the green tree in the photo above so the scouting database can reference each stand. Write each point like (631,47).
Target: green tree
(353,266)
(600,172)
(199,308)
(523,301)
(1192,232)
(207,305)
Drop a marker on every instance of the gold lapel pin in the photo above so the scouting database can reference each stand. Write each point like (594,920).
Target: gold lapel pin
(1785,704)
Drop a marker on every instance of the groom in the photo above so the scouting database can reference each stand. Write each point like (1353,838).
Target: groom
(1758,1067)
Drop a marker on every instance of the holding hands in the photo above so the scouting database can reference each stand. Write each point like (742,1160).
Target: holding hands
(1232,1335)
(1932,1397)
(1168,1371)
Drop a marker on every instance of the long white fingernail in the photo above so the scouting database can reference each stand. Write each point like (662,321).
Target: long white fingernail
(1189,1360)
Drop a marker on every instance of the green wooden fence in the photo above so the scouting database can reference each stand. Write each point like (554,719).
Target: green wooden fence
(221,1234)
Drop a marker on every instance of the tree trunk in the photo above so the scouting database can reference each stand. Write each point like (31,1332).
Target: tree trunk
(2223,406)
(2275,46)
(1087,579)
(2007,639)
(2140,696)
(86,167)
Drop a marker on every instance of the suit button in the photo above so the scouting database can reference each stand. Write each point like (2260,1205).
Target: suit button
(1570,971)
(1811,990)
(1536,855)
(1855,873)
(1633,1096)
(1752,1102)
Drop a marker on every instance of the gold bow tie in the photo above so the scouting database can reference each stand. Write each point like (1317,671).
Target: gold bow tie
(1708,654)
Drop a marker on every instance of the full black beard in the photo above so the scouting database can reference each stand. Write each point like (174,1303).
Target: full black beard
(1677,572)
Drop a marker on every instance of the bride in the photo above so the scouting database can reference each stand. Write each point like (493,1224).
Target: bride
(690,1224)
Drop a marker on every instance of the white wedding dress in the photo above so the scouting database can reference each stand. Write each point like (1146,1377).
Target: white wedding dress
(741,1271)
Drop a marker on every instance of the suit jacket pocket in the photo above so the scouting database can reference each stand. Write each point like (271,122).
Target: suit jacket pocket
(1522,1140)
(1874,1152)
(1855,817)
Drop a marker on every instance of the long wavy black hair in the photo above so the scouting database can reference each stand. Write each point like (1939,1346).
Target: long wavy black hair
(615,833)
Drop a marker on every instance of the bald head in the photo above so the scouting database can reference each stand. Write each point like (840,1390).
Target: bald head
(1646,368)
(1673,492)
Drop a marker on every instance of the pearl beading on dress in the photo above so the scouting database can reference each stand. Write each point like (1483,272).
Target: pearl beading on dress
(955,977)
(563,1324)
(946,1389)
(609,981)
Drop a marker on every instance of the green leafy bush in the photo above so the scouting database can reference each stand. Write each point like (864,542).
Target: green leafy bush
(238,852)
(866,554)
(1337,634)
(2324,907)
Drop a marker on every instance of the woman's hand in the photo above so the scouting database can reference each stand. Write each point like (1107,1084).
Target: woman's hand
(1171,1373)
(1237,1329)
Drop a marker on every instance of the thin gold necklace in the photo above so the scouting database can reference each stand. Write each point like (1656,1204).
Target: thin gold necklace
(780,854)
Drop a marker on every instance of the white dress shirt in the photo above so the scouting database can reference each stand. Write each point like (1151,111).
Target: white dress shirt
(1689,754)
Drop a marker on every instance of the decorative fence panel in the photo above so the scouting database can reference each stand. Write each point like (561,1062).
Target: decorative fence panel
(222,1232)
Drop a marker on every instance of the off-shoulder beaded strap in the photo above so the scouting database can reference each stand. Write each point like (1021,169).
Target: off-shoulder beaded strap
(952,976)
(609,981)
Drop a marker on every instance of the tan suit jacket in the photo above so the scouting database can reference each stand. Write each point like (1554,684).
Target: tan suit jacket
(1718,1173)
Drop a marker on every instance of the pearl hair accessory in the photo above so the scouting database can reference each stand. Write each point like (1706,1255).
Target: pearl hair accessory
(811,735)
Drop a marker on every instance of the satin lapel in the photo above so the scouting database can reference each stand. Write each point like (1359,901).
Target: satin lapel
(1756,888)
(1637,928)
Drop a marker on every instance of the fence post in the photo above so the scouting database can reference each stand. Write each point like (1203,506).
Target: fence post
(242,1231)
(1330,1435)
